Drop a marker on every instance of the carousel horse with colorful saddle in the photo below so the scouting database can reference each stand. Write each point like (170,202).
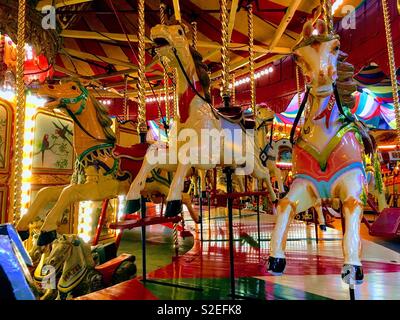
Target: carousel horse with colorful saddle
(196,116)
(328,153)
(103,170)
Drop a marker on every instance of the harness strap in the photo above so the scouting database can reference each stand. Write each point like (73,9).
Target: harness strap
(298,116)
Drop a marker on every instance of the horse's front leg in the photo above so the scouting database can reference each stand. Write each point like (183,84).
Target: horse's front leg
(94,191)
(300,198)
(350,189)
(174,199)
(43,197)
(138,184)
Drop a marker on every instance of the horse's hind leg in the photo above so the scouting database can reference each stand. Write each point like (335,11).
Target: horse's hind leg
(320,214)
(43,197)
(300,198)
(90,191)
(187,200)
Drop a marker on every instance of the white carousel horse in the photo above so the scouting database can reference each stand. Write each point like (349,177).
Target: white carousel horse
(103,170)
(327,156)
(196,114)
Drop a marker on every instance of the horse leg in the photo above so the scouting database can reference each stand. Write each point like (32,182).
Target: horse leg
(174,199)
(187,201)
(203,185)
(93,191)
(321,218)
(138,184)
(300,198)
(261,173)
(350,192)
(44,196)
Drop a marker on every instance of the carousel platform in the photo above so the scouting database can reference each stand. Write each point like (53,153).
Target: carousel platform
(312,272)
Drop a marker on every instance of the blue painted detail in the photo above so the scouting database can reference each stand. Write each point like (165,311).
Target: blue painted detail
(324,187)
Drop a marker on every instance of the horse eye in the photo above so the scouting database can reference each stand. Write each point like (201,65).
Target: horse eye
(337,48)
(73,87)
(180,32)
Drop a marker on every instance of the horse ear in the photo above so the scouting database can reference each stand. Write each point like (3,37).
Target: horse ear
(308,29)
(321,27)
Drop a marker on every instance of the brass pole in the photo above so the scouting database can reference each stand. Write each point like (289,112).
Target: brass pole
(142,126)
(251,57)
(20,112)
(224,51)
(392,65)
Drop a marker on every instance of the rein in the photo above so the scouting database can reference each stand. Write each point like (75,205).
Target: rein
(303,104)
(187,77)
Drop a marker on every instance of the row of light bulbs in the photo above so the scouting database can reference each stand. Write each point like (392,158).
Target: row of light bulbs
(154,99)
(106,102)
(257,75)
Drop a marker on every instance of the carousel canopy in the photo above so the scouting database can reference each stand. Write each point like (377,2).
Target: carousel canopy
(373,103)
(95,47)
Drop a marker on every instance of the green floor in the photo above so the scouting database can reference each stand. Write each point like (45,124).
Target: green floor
(159,246)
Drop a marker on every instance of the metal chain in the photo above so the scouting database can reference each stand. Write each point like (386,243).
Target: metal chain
(250,31)
(194,35)
(224,48)
(142,127)
(392,65)
(20,111)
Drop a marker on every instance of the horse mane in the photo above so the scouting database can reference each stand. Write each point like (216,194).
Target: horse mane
(103,118)
(346,86)
(345,83)
(202,72)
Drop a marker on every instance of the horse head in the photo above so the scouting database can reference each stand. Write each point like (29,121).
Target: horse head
(171,41)
(60,252)
(317,56)
(265,114)
(69,95)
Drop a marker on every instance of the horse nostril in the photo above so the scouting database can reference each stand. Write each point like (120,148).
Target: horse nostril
(50,86)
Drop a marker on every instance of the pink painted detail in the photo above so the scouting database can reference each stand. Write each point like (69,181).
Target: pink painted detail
(186,99)
(348,151)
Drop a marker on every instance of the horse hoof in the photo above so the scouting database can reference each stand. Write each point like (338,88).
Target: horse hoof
(352,272)
(322,227)
(276,265)
(132,206)
(174,208)
(46,237)
(23,235)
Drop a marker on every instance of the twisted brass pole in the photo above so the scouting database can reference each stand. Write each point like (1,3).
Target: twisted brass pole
(142,126)
(251,56)
(233,90)
(328,14)
(20,112)
(165,64)
(125,107)
(392,65)
(194,35)
(175,94)
(298,85)
(224,49)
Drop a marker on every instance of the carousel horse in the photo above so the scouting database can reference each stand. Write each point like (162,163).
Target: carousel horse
(78,274)
(196,114)
(328,154)
(264,119)
(97,171)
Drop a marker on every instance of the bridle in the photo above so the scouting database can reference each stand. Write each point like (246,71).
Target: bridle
(64,102)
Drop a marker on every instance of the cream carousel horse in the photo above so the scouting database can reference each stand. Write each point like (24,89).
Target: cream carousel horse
(327,156)
(99,173)
(196,116)
(78,274)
